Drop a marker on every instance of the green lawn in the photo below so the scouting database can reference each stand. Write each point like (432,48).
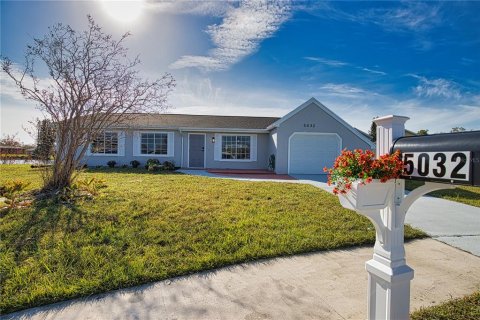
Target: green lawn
(464,194)
(466,308)
(151,226)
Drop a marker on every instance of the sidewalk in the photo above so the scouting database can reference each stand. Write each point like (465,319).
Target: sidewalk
(325,285)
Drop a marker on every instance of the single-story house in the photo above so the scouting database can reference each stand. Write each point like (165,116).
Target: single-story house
(13,149)
(303,142)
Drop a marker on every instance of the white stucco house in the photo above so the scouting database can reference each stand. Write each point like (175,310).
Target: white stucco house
(303,141)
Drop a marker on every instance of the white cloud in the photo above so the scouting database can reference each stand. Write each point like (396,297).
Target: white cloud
(14,115)
(373,71)
(200,95)
(15,110)
(9,89)
(342,90)
(436,88)
(338,64)
(401,16)
(199,7)
(239,35)
(435,118)
(328,62)
(411,15)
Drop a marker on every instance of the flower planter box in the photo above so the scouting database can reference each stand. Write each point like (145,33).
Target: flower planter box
(370,196)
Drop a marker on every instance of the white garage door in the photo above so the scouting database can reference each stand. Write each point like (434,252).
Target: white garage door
(309,153)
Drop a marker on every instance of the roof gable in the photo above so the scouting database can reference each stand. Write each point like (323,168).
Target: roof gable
(327,111)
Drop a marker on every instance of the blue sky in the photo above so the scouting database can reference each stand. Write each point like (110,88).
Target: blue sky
(361,59)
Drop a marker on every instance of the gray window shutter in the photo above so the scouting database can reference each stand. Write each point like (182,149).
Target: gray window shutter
(136,143)
(121,143)
(218,147)
(253,147)
(170,144)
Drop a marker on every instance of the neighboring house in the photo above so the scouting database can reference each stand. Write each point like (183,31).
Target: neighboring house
(12,150)
(303,141)
(409,133)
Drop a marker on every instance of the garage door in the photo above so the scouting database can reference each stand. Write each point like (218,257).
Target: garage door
(310,153)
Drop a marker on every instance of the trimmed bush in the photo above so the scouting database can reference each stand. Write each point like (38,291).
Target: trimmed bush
(13,156)
(112,163)
(155,167)
(169,165)
(152,162)
(134,163)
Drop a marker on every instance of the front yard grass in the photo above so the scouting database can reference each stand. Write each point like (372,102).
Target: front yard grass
(465,194)
(151,226)
(466,308)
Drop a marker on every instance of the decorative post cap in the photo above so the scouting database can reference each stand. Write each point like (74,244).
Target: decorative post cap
(394,119)
(389,128)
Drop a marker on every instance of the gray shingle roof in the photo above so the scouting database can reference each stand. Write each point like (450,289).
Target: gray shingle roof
(197,121)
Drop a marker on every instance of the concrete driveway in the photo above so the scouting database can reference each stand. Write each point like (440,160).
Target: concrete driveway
(454,223)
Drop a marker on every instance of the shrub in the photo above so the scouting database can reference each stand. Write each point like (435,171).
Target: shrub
(81,188)
(91,185)
(134,163)
(12,189)
(124,166)
(112,163)
(169,165)
(15,156)
(359,165)
(155,167)
(152,162)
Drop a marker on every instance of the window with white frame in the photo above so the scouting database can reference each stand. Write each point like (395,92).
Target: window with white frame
(236,147)
(154,143)
(105,143)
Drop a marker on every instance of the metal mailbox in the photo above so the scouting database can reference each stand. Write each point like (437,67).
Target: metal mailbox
(447,157)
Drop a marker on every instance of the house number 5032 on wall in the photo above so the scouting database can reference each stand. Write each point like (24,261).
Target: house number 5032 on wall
(309,125)
(454,165)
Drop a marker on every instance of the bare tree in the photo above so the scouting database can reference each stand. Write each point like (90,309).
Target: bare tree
(10,140)
(92,86)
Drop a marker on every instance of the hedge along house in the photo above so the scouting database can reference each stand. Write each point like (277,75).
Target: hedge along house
(303,142)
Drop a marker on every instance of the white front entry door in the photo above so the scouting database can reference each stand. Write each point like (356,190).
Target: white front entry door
(309,152)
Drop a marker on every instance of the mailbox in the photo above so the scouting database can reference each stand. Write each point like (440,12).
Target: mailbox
(447,157)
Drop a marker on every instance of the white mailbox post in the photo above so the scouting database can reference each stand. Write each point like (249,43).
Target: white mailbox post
(440,160)
(388,274)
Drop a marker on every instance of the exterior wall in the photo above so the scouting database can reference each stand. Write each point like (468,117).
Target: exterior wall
(211,163)
(303,121)
(101,160)
(272,144)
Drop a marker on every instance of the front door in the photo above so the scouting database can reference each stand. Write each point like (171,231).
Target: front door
(196,151)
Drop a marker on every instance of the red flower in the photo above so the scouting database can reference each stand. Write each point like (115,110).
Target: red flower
(361,165)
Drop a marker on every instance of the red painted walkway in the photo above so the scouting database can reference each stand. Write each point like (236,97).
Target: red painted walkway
(250,174)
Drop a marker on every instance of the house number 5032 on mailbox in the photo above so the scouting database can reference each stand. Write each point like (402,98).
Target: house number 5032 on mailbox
(454,166)
(447,157)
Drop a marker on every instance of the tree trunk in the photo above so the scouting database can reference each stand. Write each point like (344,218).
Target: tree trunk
(59,177)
